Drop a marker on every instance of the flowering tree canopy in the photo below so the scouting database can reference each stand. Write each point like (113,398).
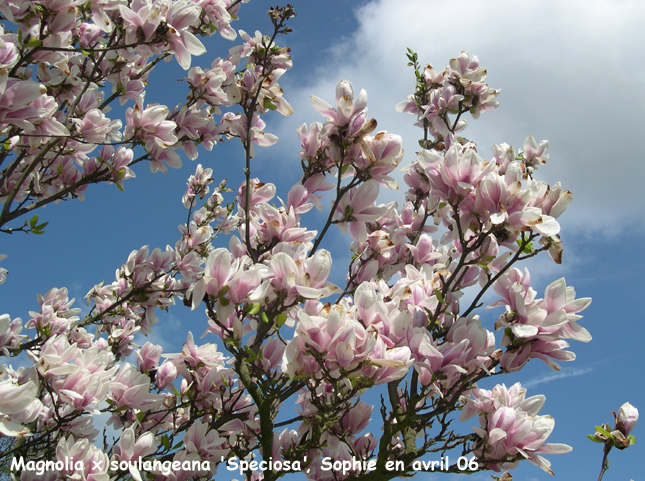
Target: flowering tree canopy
(280,333)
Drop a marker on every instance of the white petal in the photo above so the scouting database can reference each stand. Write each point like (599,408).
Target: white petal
(524,330)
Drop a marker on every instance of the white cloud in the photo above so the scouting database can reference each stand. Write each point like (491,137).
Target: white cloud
(570,72)
(556,375)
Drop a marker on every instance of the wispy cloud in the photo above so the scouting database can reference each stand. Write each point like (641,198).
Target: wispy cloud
(571,99)
(557,375)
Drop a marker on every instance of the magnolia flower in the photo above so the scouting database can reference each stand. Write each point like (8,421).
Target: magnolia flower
(533,153)
(16,394)
(181,16)
(150,125)
(133,449)
(10,333)
(72,453)
(510,428)
(357,208)
(626,418)
(347,108)
(130,389)
(95,127)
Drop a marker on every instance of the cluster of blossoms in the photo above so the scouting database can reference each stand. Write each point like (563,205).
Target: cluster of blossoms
(68,61)
(537,328)
(510,428)
(267,296)
(458,89)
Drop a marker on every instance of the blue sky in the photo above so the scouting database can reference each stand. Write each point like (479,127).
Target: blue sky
(570,72)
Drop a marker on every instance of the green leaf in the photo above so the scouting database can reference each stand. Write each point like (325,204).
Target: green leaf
(527,249)
(437,293)
(178,445)
(251,356)
(631,439)
(140,416)
(269,105)
(343,169)
(33,220)
(264,317)
(165,441)
(604,432)
(595,439)
(280,319)
(34,42)
(253,308)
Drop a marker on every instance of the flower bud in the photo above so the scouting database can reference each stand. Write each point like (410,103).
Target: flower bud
(166,374)
(626,418)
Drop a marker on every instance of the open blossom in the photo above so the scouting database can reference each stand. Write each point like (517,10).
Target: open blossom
(510,428)
(95,127)
(181,16)
(534,154)
(349,110)
(197,186)
(150,125)
(292,279)
(218,12)
(17,392)
(133,448)
(538,325)
(144,19)
(458,174)
(10,333)
(74,453)
(357,208)
(55,313)
(132,389)
(236,124)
